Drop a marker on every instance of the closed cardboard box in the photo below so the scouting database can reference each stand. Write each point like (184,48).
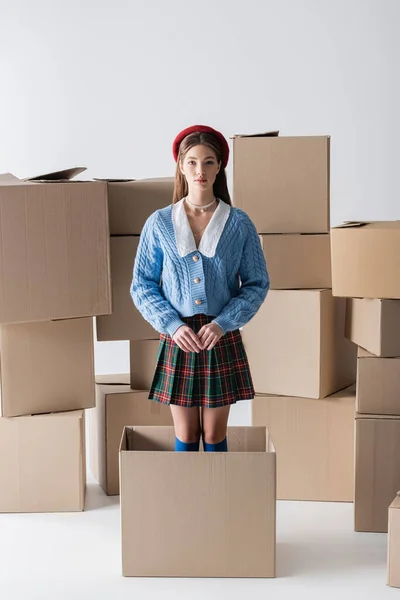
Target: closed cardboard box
(116,406)
(378,384)
(42,463)
(314,442)
(132,202)
(143,358)
(282,183)
(298,261)
(46,367)
(125,322)
(54,250)
(216,510)
(374,325)
(377,470)
(296,345)
(394,543)
(366,260)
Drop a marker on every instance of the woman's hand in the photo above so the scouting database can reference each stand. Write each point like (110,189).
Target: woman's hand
(209,335)
(186,339)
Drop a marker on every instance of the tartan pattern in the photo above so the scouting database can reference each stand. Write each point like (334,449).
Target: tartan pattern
(211,378)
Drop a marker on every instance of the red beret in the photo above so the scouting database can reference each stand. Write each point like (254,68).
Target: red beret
(202,129)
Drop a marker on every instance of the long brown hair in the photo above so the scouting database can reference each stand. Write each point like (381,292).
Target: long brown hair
(220,186)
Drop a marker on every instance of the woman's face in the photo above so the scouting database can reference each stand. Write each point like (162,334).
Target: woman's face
(200,167)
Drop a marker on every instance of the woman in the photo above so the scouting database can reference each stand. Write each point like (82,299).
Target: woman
(200,275)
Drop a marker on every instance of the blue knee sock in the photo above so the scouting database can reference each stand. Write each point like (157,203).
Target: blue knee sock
(220,447)
(186,446)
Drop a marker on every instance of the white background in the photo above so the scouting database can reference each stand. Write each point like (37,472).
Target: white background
(108,85)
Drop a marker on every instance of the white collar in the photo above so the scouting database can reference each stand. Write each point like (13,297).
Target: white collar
(184,236)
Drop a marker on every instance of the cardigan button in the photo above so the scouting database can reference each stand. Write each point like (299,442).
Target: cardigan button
(198,301)
(195,258)
(196,280)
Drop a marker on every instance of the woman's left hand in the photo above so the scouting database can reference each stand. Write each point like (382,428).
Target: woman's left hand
(209,335)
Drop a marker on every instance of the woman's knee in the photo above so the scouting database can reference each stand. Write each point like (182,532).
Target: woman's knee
(214,435)
(188,435)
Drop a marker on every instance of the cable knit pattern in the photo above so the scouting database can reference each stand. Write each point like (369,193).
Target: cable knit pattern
(231,285)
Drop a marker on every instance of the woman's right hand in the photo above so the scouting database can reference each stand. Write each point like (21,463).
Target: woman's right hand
(186,339)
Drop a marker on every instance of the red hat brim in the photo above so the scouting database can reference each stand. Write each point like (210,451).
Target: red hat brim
(202,129)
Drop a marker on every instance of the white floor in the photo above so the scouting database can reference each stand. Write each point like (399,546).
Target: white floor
(77,555)
(65,556)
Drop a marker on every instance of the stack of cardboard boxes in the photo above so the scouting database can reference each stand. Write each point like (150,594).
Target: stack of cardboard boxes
(296,345)
(365,263)
(366,270)
(54,277)
(123,399)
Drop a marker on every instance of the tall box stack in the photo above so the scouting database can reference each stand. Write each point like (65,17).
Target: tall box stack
(118,406)
(122,400)
(54,278)
(366,271)
(130,204)
(296,343)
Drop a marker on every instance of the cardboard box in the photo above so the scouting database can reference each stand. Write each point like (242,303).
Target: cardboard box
(125,322)
(378,384)
(366,259)
(374,325)
(224,501)
(116,406)
(314,442)
(143,359)
(377,470)
(132,202)
(296,345)
(54,250)
(42,463)
(46,367)
(298,261)
(394,543)
(282,183)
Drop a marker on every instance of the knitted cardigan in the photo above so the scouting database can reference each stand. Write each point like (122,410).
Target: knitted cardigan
(226,277)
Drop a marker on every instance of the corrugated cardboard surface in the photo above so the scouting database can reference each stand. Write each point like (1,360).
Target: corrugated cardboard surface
(366,260)
(298,261)
(378,384)
(46,367)
(143,358)
(224,502)
(374,325)
(377,470)
(314,441)
(54,251)
(42,463)
(125,322)
(118,406)
(282,183)
(296,345)
(394,543)
(132,202)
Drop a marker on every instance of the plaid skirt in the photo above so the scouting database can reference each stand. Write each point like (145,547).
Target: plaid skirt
(210,378)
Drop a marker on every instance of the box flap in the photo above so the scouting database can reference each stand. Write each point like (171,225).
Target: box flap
(352,224)
(63,175)
(9,179)
(369,224)
(263,134)
(113,180)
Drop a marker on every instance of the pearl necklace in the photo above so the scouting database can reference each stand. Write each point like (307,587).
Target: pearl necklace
(200,207)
